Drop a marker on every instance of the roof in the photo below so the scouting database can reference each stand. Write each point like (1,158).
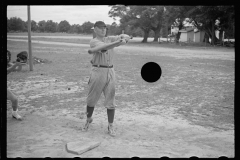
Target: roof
(195,31)
(186,30)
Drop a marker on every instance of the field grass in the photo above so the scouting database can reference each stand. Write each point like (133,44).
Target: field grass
(136,41)
(200,90)
(191,105)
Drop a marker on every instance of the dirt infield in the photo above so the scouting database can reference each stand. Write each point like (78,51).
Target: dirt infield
(188,112)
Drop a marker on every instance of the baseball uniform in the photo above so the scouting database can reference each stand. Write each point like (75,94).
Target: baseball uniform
(102,77)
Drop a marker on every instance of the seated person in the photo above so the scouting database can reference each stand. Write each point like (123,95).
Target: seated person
(10,96)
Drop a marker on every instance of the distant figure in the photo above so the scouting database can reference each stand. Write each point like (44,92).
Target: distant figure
(10,64)
(22,57)
(11,67)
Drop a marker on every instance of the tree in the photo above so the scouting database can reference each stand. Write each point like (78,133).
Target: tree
(41,25)
(175,16)
(72,29)
(164,31)
(87,27)
(226,21)
(137,32)
(50,26)
(205,18)
(15,24)
(76,28)
(64,26)
(56,24)
(79,29)
(34,26)
(210,18)
(128,16)
(146,18)
(8,25)
(158,18)
(114,29)
(25,26)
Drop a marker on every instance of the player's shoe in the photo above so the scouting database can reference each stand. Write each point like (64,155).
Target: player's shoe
(111,130)
(16,115)
(86,126)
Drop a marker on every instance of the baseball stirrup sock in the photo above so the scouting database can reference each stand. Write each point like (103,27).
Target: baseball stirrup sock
(110,113)
(89,111)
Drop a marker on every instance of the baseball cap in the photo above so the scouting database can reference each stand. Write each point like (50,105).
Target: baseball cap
(100,24)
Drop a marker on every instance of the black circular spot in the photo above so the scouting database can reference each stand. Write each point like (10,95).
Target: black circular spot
(151,72)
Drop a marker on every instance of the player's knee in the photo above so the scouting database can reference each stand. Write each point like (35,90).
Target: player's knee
(19,68)
(110,107)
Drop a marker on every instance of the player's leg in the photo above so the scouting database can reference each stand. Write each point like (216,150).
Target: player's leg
(14,101)
(18,68)
(96,84)
(109,93)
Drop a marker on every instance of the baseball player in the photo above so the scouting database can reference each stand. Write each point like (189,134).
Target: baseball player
(102,77)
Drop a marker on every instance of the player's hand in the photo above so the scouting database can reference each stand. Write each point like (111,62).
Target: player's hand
(121,42)
(124,36)
(127,39)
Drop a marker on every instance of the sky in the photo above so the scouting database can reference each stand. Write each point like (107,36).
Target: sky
(74,14)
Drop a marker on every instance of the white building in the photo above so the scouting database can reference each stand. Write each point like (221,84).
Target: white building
(174,30)
(198,35)
(187,35)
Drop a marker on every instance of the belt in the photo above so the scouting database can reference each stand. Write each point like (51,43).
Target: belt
(103,66)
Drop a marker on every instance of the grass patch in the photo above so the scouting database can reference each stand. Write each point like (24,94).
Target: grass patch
(191,88)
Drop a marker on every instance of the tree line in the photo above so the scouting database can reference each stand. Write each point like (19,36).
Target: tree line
(160,19)
(18,25)
(148,21)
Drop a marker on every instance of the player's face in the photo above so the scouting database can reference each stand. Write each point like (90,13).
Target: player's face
(101,31)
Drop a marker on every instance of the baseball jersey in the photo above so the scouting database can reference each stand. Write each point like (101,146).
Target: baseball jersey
(102,79)
(103,58)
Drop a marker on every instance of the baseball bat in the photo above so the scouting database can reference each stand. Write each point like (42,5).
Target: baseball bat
(105,47)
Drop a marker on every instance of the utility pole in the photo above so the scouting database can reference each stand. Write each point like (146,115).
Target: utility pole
(29,40)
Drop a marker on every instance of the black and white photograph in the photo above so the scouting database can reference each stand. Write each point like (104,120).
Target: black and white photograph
(120,81)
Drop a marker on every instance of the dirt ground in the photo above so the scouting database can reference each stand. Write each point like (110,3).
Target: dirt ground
(188,112)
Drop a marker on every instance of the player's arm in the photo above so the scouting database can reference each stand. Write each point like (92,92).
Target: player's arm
(105,46)
(13,67)
(124,37)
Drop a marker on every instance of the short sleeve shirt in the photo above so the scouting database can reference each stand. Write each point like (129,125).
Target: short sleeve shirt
(103,58)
